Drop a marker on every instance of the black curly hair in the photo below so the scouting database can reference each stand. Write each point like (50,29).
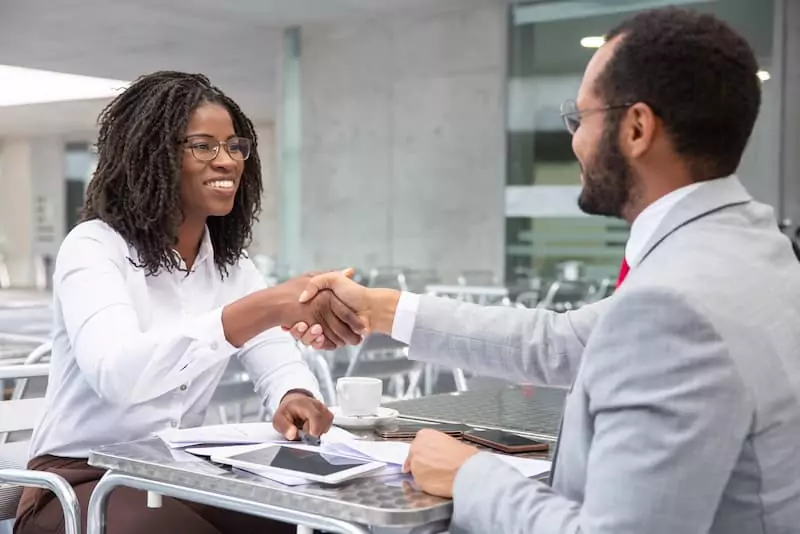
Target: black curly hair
(697,74)
(136,187)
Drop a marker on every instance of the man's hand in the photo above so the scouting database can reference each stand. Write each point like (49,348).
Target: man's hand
(434,461)
(299,410)
(336,321)
(375,308)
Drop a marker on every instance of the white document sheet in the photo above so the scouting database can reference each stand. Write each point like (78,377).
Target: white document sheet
(396,452)
(236,434)
(236,439)
(243,433)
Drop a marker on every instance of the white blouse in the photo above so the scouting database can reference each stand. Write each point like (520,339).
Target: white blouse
(135,354)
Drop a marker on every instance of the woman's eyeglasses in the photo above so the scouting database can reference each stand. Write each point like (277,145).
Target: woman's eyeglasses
(207,148)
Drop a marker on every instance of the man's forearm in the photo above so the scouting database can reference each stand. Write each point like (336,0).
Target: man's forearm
(538,346)
(382,309)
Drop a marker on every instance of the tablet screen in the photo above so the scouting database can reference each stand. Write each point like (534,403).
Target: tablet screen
(300,460)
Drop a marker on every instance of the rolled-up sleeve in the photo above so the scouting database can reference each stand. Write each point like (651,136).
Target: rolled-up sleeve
(272,359)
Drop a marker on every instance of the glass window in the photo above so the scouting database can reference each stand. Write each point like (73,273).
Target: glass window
(550,45)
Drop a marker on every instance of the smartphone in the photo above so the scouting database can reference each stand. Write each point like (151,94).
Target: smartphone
(505,441)
(407,430)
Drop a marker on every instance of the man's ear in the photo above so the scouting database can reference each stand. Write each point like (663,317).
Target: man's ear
(638,130)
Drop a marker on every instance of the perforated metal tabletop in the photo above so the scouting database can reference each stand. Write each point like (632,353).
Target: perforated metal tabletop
(536,411)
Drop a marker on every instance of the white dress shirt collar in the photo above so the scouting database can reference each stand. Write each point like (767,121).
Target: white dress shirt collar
(646,224)
(204,252)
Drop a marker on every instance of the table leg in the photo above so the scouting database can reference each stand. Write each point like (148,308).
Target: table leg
(98,502)
(153,500)
(429,378)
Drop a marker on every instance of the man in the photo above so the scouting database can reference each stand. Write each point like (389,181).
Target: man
(684,410)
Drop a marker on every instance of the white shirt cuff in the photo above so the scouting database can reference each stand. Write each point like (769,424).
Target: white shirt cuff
(210,346)
(211,331)
(279,391)
(405,317)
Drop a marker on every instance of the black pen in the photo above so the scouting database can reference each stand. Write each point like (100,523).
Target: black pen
(307,438)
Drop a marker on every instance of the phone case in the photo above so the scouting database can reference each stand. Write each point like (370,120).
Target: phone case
(508,449)
(402,432)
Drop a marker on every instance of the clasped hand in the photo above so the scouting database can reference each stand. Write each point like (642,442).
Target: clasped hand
(334,317)
(348,302)
(434,458)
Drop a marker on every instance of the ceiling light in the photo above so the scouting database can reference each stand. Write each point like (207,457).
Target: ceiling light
(594,41)
(763,75)
(23,86)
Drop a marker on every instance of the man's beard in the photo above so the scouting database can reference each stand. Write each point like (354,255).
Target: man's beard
(607,179)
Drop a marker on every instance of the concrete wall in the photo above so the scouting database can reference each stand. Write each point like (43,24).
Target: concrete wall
(265,233)
(31,205)
(48,200)
(403,142)
(16,221)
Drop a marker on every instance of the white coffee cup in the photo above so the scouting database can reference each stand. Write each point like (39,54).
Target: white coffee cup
(359,396)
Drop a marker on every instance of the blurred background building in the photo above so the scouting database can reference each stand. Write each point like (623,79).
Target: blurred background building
(416,140)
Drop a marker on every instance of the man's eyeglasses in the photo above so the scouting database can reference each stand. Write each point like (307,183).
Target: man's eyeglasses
(572,115)
(207,149)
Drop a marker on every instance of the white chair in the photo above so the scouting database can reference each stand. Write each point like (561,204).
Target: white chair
(565,295)
(321,368)
(235,390)
(20,415)
(5,279)
(37,355)
(477,277)
(483,295)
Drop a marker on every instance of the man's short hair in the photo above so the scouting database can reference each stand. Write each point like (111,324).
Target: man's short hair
(697,74)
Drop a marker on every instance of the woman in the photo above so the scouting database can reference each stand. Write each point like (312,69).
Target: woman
(153,294)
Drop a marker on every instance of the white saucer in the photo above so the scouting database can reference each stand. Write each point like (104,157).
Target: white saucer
(384,416)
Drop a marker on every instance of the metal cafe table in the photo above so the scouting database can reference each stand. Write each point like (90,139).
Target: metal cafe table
(388,504)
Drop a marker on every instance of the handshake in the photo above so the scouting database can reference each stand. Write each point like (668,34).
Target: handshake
(333,311)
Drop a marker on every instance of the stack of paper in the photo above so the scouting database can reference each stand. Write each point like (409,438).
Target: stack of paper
(244,433)
(237,434)
(395,453)
(388,452)
(229,440)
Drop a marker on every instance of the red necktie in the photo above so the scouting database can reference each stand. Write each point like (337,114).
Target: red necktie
(623,272)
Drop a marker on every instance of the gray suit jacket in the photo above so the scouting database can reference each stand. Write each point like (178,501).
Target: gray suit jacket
(684,415)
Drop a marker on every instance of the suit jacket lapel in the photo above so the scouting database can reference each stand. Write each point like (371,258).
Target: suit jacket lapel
(713,196)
